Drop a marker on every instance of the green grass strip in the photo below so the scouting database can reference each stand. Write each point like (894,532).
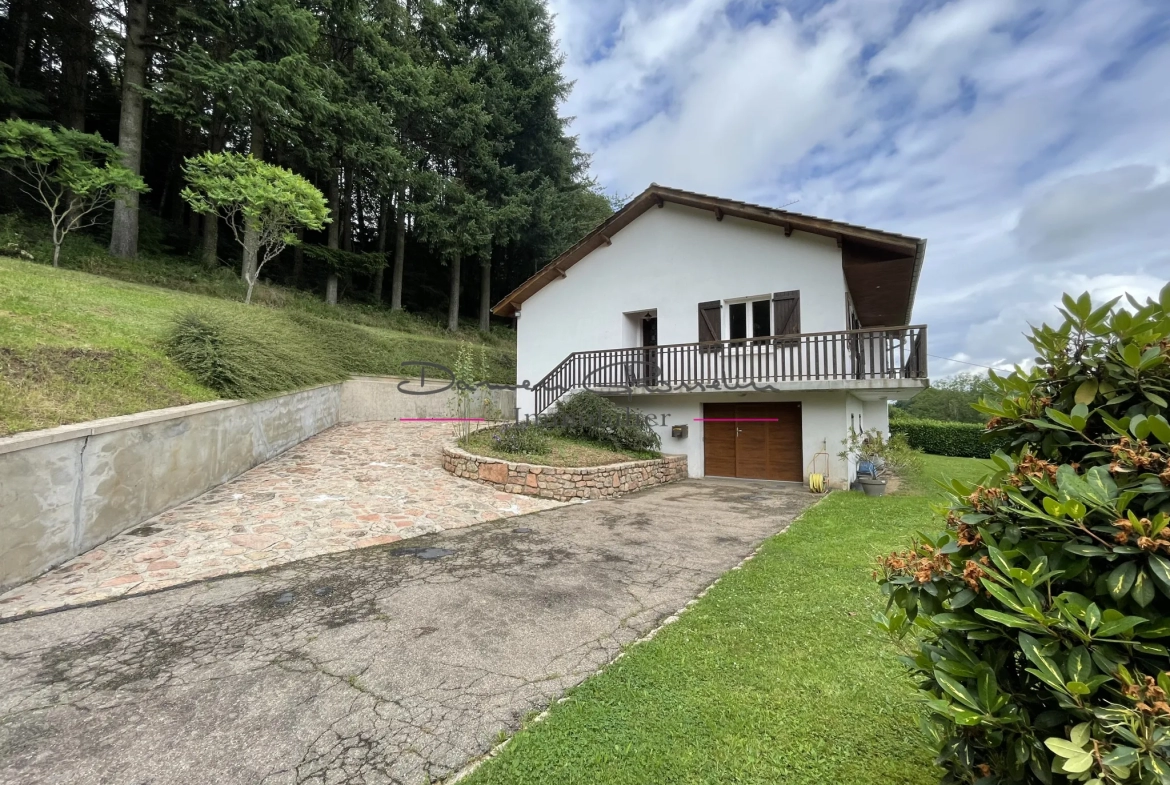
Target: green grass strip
(775,676)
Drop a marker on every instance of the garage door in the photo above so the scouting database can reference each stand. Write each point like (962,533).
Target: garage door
(753,440)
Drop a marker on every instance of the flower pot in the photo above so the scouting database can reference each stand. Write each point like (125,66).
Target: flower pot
(872,487)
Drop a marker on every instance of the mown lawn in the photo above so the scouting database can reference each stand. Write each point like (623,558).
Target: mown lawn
(76,346)
(775,676)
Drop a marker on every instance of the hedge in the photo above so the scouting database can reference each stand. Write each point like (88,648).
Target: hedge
(958,439)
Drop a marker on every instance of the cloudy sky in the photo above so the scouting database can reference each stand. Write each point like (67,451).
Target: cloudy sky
(1028,141)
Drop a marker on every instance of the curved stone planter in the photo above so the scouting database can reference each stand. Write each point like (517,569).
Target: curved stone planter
(565,484)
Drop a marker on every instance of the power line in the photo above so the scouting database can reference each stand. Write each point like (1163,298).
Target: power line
(964,362)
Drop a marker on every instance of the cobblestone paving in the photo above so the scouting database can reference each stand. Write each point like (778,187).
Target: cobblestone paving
(352,486)
(389,665)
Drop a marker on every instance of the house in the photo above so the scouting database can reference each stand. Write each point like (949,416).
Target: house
(764,334)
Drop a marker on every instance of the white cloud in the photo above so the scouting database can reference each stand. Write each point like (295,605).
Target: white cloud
(740,108)
(1121,209)
(1025,139)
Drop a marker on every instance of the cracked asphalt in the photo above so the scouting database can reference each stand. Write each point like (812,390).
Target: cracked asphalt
(391,664)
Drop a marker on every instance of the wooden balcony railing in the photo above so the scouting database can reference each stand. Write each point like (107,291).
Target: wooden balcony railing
(881,353)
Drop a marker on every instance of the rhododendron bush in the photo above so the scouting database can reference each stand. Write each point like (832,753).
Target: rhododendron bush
(1036,624)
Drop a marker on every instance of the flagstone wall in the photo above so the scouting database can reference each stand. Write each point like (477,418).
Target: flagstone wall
(565,484)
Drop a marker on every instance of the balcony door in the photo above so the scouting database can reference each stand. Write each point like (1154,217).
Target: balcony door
(649,374)
(761,441)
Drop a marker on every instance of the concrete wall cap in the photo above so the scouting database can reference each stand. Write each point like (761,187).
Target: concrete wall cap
(64,433)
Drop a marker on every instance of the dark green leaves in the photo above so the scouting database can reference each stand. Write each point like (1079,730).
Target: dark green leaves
(1045,668)
(1073,564)
(1121,580)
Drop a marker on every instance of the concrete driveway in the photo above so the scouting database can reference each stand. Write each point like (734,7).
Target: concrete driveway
(390,664)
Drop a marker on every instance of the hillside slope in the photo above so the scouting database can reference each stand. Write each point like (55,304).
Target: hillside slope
(75,346)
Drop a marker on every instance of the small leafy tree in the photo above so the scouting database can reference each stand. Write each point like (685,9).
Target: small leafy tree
(251,194)
(73,175)
(1038,619)
(472,399)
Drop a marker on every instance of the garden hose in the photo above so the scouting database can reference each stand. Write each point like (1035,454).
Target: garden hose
(816,483)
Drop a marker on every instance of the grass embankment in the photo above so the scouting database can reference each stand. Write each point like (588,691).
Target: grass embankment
(561,451)
(76,346)
(776,676)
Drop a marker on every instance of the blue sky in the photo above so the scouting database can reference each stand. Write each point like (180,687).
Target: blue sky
(1028,141)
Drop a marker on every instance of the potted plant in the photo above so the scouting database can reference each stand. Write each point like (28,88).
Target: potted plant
(886,457)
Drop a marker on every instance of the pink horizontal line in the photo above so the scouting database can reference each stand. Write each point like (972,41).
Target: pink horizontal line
(441,419)
(737,419)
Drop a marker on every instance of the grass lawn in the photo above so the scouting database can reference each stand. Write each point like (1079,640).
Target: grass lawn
(76,346)
(562,451)
(775,676)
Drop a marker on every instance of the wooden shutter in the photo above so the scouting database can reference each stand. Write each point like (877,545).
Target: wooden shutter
(710,321)
(786,313)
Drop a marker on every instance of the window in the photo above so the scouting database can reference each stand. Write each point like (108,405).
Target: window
(737,321)
(750,319)
(761,318)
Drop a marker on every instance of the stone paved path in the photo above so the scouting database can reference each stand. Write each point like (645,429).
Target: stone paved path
(352,486)
(370,666)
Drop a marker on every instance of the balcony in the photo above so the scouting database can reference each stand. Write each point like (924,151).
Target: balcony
(888,354)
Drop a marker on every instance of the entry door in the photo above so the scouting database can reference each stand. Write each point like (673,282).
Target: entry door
(650,355)
(753,441)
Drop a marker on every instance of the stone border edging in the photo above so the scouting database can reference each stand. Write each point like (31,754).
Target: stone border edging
(565,483)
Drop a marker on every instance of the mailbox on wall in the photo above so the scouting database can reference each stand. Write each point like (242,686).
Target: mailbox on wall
(678,431)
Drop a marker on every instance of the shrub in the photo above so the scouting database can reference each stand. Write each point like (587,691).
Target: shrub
(266,351)
(1039,614)
(522,437)
(586,415)
(888,456)
(242,357)
(957,439)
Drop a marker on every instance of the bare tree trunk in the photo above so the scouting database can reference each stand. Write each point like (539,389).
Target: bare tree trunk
(453,305)
(124,234)
(23,17)
(333,236)
(360,214)
(76,56)
(210,241)
(383,228)
(347,213)
(399,254)
(211,221)
(298,256)
(173,184)
(485,295)
(251,233)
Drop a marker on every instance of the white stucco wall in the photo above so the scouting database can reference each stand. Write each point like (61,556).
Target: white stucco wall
(823,425)
(671,259)
(877,415)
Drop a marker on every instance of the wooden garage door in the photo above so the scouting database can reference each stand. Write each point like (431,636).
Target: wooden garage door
(753,440)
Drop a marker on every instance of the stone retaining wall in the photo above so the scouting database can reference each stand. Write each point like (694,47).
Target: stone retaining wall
(565,484)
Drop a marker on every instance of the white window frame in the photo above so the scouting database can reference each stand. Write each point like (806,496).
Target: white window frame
(726,314)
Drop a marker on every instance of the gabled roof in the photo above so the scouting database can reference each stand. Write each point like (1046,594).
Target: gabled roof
(872,259)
